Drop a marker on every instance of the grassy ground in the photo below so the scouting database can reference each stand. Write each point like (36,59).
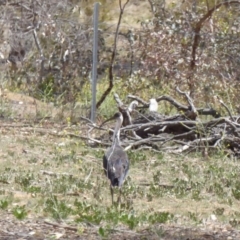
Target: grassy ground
(60,178)
(52,186)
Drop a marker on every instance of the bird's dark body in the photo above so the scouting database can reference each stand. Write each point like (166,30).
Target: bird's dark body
(116,165)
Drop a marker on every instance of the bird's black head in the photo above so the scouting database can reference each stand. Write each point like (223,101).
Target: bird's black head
(117,115)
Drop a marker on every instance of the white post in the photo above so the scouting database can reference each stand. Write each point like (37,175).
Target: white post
(94,61)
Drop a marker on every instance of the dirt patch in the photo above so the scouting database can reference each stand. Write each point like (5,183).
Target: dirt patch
(21,106)
(39,229)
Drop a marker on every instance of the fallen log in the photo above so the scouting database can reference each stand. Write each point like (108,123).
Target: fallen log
(183,132)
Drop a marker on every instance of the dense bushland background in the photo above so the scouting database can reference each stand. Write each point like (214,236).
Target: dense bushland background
(46,49)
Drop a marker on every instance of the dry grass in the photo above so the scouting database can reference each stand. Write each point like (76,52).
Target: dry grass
(53,176)
(156,184)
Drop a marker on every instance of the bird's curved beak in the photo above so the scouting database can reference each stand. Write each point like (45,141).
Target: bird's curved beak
(108,120)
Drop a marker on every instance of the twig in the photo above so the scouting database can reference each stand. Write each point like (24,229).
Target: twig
(88,120)
(226,107)
(61,226)
(15,125)
(86,179)
(126,112)
(144,103)
(118,100)
(149,141)
(179,136)
(125,231)
(54,174)
(4,181)
(180,149)
(189,99)
(41,54)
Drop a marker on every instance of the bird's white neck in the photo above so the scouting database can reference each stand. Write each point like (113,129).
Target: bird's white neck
(116,136)
(132,105)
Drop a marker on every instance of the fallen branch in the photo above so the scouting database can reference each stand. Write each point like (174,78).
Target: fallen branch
(226,107)
(61,226)
(44,172)
(175,103)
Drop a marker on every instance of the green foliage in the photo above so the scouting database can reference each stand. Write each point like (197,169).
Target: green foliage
(236,190)
(66,157)
(33,189)
(136,156)
(194,217)
(19,212)
(4,178)
(156,177)
(219,211)
(4,204)
(25,180)
(196,194)
(234,222)
(130,219)
(95,215)
(102,232)
(97,153)
(47,89)
(57,208)
(159,217)
(180,187)
(156,191)
(87,212)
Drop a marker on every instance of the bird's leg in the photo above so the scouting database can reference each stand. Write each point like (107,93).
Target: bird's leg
(119,197)
(111,189)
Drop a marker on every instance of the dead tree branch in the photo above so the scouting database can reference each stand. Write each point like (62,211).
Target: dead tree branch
(198,28)
(110,72)
(192,114)
(226,107)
